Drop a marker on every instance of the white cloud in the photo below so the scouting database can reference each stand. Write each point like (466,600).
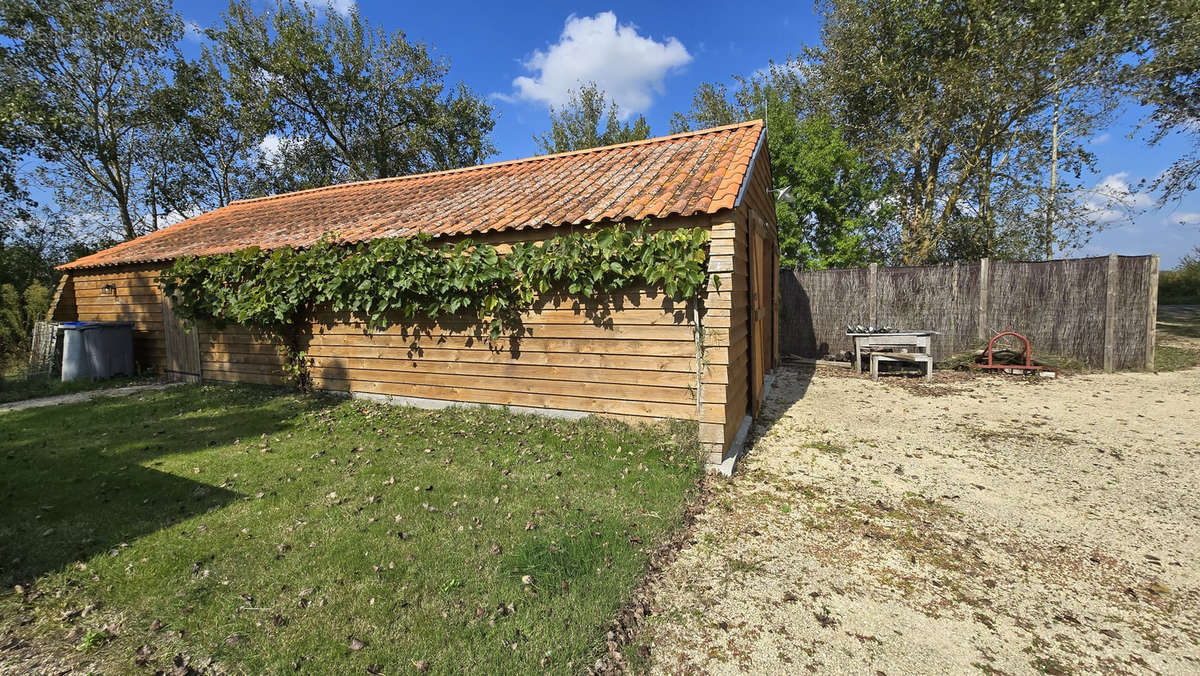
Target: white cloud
(194,32)
(343,7)
(627,66)
(1184,218)
(270,146)
(1102,138)
(1114,199)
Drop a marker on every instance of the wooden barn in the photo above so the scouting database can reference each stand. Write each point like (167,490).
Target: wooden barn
(647,360)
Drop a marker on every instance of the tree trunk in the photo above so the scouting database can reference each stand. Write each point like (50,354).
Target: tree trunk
(1053,196)
(126,219)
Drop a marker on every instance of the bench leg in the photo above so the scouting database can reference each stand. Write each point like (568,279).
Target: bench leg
(874,367)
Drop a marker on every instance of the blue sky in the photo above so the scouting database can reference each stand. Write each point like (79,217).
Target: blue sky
(650,57)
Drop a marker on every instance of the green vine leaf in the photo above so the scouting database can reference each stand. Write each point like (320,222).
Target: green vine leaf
(276,293)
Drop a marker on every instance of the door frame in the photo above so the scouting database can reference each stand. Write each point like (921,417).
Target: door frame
(760,315)
(182,346)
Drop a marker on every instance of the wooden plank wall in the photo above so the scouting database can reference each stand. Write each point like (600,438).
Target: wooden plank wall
(633,357)
(725,386)
(635,360)
(727,390)
(137,298)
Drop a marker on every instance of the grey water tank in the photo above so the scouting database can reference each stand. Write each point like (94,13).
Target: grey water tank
(96,350)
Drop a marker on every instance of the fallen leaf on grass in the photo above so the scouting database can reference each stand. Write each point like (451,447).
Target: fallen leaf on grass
(142,655)
(356,644)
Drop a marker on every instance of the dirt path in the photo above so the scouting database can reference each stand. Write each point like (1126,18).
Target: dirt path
(77,397)
(991,525)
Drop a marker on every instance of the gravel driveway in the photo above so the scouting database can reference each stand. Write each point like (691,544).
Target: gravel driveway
(992,524)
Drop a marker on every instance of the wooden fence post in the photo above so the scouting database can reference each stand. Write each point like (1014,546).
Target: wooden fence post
(1110,314)
(1152,312)
(872,292)
(984,283)
(952,341)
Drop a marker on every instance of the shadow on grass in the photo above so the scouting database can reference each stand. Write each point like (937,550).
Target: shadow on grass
(74,481)
(1181,321)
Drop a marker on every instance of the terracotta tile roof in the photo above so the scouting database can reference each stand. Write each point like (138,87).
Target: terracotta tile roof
(685,174)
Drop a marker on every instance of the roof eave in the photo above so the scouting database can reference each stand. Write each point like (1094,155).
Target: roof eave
(762,140)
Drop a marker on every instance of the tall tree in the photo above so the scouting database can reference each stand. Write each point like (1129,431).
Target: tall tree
(95,67)
(980,111)
(1167,80)
(208,141)
(589,119)
(831,210)
(374,104)
(20,108)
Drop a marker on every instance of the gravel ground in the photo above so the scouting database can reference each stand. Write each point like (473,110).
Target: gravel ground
(990,524)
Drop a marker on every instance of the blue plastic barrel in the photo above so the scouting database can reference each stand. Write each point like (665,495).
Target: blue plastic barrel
(96,350)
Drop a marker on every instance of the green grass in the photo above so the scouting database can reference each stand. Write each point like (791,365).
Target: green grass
(269,531)
(1178,338)
(18,388)
(1168,358)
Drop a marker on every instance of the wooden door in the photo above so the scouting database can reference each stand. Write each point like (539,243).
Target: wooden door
(762,320)
(183,346)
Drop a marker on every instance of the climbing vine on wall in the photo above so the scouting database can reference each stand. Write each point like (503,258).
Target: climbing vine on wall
(276,292)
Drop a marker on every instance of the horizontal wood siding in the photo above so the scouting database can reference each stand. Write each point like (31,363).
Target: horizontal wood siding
(136,298)
(635,362)
(631,355)
(725,380)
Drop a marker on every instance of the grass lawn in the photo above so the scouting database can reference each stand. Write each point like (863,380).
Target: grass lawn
(251,530)
(18,387)
(1178,345)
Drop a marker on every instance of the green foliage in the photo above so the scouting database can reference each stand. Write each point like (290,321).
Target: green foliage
(36,300)
(88,71)
(1166,79)
(589,120)
(977,112)
(205,151)
(277,291)
(18,312)
(91,640)
(12,323)
(835,214)
(369,104)
(837,210)
(1181,286)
